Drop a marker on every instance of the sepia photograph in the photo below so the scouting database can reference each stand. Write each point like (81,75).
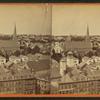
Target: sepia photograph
(75,49)
(49,49)
(25,35)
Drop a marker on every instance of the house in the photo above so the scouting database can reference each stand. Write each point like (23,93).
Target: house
(14,59)
(31,57)
(62,65)
(96,58)
(55,78)
(54,63)
(88,60)
(85,59)
(57,48)
(71,61)
(23,58)
(2,60)
(66,78)
(40,67)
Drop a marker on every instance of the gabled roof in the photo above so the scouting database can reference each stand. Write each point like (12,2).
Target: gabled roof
(44,75)
(54,63)
(82,65)
(23,72)
(67,79)
(39,65)
(55,73)
(96,73)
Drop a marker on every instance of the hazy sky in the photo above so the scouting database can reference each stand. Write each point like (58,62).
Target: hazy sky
(29,18)
(73,19)
(36,19)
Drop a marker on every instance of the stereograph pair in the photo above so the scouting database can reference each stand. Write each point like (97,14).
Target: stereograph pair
(49,49)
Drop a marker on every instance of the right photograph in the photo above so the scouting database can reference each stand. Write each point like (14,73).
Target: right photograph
(75,53)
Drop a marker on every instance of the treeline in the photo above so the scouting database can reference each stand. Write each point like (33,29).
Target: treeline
(78,38)
(91,53)
(22,51)
(5,37)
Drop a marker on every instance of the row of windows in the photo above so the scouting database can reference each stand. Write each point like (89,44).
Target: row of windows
(19,81)
(14,85)
(26,92)
(66,92)
(22,85)
(78,85)
(80,91)
(9,90)
(16,77)
(42,82)
(84,88)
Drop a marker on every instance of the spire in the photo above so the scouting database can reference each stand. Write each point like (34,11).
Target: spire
(14,33)
(15,29)
(87,31)
(87,34)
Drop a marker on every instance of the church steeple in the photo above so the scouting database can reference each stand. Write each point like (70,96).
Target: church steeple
(14,33)
(87,30)
(87,34)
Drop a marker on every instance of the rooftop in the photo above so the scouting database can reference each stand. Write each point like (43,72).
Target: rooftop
(55,73)
(9,44)
(39,65)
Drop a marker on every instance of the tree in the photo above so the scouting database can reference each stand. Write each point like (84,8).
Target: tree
(29,50)
(17,53)
(25,51)
(97,53)
(89,54)
(78,38)
(53,51)
(6,54)
(36,49)
(77,55)
(57,56)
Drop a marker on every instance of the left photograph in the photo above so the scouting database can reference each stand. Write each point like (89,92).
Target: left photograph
(25,47)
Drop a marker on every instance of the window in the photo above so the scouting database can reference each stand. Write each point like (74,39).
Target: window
(62,86)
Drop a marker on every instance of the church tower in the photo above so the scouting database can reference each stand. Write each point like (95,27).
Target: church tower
(14,33)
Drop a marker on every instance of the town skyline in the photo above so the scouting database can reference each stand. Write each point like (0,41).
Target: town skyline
(38,19)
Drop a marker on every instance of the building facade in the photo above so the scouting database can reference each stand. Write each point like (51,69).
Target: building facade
(82,87)
(24,86)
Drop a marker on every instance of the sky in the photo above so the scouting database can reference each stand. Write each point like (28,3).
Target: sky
(72,19)
(29,19)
